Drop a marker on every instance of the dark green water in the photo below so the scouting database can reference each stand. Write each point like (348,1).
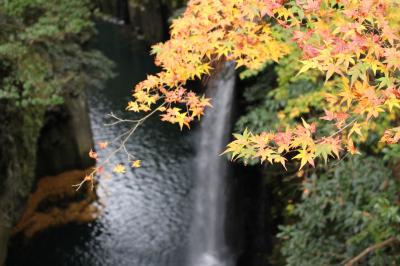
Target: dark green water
(147,211)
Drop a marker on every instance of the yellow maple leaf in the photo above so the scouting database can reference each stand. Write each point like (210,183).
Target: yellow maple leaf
(133,106)
(161,109)
(356,128)
(119,168)
(281,160)
(305,156)
(136,163)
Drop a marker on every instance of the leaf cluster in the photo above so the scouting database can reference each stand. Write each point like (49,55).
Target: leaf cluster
(343,212)
(344,60)
(41,51)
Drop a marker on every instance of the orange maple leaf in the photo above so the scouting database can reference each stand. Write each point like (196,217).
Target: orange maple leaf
(93,154)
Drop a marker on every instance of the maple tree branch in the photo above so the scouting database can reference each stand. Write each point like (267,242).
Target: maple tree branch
(119,136)
(87,178)
(127,135)
(344,127)
(370,249)
(118,120)
(341,159)
(130,155)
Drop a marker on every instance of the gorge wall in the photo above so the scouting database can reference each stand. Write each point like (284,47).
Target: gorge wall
(34,143)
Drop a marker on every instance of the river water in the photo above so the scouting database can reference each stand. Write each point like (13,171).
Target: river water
(147,219)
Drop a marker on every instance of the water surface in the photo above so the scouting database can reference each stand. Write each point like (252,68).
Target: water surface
(147,211)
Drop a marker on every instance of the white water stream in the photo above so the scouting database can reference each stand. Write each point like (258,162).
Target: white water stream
(207,243)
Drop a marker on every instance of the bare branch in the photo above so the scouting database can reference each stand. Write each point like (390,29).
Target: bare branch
(119,120)
(125,137)
(370,249)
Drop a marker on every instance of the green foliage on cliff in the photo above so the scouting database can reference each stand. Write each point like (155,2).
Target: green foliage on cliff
(343,212)
(41,54)
(345,207)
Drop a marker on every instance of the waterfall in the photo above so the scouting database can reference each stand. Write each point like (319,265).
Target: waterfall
(207,243)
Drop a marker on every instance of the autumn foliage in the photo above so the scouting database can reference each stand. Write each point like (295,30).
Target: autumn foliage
(353,42)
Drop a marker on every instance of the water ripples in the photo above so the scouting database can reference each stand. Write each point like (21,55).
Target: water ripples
(147,211)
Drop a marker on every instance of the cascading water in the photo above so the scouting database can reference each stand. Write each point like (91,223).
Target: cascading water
(207,243)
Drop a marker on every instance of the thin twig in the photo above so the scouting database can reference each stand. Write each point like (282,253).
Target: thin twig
(370,249)
(129,134)
(343,128)
(121,146)
(341,159)
(119,120)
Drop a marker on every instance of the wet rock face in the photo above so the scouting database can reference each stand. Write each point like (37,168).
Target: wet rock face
(35,144)
(4,236)
(151,19)
(66,137)
(19,132)
(146,18)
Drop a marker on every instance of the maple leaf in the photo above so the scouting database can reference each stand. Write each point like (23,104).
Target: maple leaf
(351,148)
(323,150)
(332,69)
(283,141)
(140,96)
(265,154)
(392,57)
(136,163)
(161,109)
(103,144)
(300,36)
(330,98)
(307,65)
(328,146)
(355,41)
(391,136)
(357,72)
(100,170)
(356,128)
(182,120)
(346,94)
(119,168)
(133,106)
(329,116)
(305,156)
(143,107)
(280,159)
(93,154)
(239,147)
(373,111)
(309,127)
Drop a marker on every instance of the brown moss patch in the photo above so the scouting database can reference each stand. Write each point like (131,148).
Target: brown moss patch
(55,202)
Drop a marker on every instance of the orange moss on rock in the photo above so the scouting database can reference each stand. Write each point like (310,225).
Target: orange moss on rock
(55,202)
